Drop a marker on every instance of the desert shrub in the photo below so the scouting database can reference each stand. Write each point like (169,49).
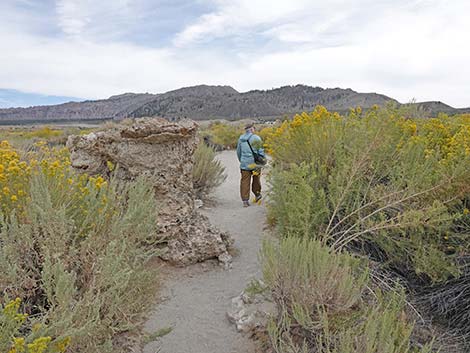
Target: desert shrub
(376,182)
(25,133)
(16,170)
(24,137)
(297,203)
(307,273)
(208,172)
(383,328)
(11,341)
(14,178)
(27,138)
(224,134)
(45,133)
(75,252)
(325,303)
(265,132)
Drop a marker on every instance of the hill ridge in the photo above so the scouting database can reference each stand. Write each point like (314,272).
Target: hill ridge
(203,102)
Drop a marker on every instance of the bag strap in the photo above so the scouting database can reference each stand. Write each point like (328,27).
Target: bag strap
(251,148)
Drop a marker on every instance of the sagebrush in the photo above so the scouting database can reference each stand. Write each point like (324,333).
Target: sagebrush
(208,172)
(388,186)
(75,250)
(394,187)
(326,304)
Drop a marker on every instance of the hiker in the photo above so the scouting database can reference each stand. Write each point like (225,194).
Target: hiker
(251,156)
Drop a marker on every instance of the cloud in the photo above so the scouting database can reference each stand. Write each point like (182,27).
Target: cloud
(72,18)
(407,49)
(236,17)
(95,19)
(93,49)
(85,69)
(293,21)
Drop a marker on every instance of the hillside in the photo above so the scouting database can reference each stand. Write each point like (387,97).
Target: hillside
(209,102)
(226,103)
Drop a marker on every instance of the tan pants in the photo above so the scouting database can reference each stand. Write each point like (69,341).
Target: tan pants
(245,184)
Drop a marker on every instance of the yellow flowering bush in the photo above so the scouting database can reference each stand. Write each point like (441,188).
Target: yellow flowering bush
(74,248)
(11,322)
(393,186)
(53,163)
(265,132)
(383,185)
(224,134)
(44,133)
(295,140)
(14,178)
(25,134)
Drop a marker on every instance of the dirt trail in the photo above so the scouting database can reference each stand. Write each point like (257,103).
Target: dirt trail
(196,298)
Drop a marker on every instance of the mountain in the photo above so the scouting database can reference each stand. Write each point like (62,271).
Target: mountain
(439,107)
(210,102)
(200,102)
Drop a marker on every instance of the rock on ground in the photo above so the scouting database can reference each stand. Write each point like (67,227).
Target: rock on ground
(250,312)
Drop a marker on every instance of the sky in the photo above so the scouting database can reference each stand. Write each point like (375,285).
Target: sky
(53,51)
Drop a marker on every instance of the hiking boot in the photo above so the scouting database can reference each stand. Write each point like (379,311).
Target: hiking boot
(246,204)
(258,198)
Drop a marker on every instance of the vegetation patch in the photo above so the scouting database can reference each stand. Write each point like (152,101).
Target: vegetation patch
(73,251)
(384,185)
(326,303)
(393,187)
(222,135)
(208,172)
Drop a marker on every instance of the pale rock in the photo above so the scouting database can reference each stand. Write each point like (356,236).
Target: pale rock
(163,152)
(251,312)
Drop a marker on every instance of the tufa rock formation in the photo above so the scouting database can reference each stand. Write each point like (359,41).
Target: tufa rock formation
(163,152)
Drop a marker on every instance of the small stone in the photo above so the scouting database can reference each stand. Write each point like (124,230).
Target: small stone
(225,260)
(248,315)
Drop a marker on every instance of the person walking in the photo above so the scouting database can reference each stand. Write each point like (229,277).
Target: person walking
(248,145)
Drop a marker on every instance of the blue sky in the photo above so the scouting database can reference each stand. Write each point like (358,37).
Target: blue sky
(13,98)
(60,50)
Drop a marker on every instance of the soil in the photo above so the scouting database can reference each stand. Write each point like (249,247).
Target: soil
(195,299)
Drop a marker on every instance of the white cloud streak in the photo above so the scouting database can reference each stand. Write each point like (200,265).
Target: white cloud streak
(95,19)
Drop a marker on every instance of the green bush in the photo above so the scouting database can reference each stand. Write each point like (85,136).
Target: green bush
(297,203)
(208,172)
(326,304)
(390,187)
(80,263)
(303,274)
(222,134)
(382,328)
(226,135)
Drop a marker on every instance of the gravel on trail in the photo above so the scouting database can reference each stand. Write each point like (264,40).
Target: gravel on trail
(194,300)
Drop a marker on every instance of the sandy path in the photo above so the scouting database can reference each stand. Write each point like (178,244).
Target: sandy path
(198,297)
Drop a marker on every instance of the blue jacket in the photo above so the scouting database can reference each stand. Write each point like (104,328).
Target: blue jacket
(245,156)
